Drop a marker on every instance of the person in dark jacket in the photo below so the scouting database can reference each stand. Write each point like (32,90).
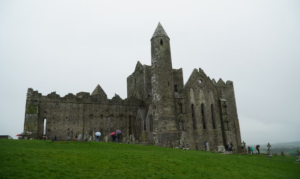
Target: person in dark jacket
(118,132)
(258,149)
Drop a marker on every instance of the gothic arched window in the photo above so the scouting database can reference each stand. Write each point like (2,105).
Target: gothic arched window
(203,115)
(193,116)
(213,116)
(44,126)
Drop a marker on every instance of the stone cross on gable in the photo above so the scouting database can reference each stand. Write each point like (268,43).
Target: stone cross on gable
(244,144)
(269,146)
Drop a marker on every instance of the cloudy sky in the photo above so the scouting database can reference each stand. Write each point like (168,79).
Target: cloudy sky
(71,46)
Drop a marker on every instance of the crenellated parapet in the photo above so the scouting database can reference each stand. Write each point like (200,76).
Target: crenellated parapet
(81,97)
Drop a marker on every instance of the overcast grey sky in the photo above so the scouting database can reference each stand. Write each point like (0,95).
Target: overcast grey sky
(71,46)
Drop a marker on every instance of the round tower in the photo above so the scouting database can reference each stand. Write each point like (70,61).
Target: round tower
(162,87)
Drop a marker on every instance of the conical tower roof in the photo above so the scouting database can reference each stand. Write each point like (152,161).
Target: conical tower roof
(98,90)
(160,31)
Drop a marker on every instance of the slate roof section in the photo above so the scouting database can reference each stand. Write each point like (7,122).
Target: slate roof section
(98,90)
(160,32)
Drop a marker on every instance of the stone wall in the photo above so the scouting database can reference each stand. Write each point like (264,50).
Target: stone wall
(72,115)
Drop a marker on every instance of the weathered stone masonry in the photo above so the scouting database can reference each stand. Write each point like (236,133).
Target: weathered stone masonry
(159,109)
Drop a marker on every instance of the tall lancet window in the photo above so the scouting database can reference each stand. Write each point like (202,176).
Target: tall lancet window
(193,116)
(213,116)
(203,115)
(44,126)
(161,42)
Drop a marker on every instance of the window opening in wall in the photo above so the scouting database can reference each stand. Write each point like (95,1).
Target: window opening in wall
(161,42)
(213,116)
(181,124)
(135,81)
(144,124)
(200,81)
(168,84)
(175,88)
(203,115)
(193,116)
(129,126)
(44,129)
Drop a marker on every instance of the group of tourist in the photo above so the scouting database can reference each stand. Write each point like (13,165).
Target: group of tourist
(113,135)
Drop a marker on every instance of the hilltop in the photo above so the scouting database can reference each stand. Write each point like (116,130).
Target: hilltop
(46,159)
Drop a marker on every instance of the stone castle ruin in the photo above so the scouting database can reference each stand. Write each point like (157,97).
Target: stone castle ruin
(159,109)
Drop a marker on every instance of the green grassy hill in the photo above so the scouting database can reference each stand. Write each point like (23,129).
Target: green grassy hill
(45,159)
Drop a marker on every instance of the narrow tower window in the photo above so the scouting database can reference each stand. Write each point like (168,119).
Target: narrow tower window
(175,88)
(44,129)
(193,116)
(145,125)
(161,42)
(213,116)
(203,115)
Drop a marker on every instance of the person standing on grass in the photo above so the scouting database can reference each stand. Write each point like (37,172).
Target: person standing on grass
(229,147)
(205,145)
(258,149)
(113,136)
(251,149)
(97,134)
(118,132)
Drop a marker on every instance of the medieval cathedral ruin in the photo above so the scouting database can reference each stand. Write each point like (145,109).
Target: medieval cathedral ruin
(159,109)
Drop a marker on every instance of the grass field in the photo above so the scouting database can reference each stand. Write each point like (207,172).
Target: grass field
(46,159)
